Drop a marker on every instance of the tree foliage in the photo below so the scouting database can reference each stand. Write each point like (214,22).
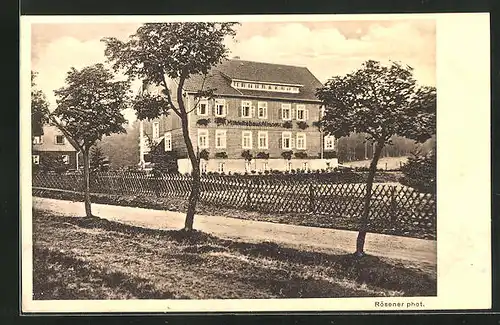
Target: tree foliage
(173,50)
(89,106)
(380,101)
(39,108)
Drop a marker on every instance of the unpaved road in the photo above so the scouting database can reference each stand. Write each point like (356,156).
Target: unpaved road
(309,238)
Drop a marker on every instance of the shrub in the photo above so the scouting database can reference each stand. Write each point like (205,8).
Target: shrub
(221,155)
(287,125)
(420,173)
(203,121)
(204,154)
(302,125)
(247,155)
(287,155)
(266,172)
(301,155)
(253,171)
(220,120)
(330,154)
(262,155)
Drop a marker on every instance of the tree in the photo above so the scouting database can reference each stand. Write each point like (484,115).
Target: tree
(381,101)
(177,51)
(39,108)
(88,108)
(98,161)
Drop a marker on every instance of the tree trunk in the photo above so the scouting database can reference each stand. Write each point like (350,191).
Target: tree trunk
(86,181)
(363,224)
(194,195)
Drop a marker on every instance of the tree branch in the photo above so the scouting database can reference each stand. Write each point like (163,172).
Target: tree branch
(169,97)
(65,132)
(199,98)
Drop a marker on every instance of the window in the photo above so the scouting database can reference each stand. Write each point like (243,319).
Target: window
(305,166)
(246,140)
(203,139)
(265,87)
(220,107)
(286,112)
(65,159)
(301,140)
(322,111)
(220,139)
(36,159)
(168,141)
(262,110)
(37,139)
(330,142)
(265,166)
(286,140)
(262,141)
(246,109)
(220,167)
(60,139)
(289,166)
(203,166)
(203,107)
(156,130)
(302,113)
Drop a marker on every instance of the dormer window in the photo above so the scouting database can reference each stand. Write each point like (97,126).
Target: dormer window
(274,87)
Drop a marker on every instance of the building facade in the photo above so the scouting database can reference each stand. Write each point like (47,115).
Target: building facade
(262,117)
(52,145)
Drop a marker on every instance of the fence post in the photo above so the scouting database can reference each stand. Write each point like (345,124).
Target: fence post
(249,197)
(312,203)
(393,209)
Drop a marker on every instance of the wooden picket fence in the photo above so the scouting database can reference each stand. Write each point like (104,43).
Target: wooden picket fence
(324,194)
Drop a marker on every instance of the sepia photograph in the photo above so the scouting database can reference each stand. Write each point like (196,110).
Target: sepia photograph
(232,159)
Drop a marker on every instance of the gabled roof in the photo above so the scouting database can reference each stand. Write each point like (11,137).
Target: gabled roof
(220,78)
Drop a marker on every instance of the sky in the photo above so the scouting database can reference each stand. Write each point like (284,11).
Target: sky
(326,48)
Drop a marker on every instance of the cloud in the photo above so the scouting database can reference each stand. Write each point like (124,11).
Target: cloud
(328,51)
(59,56)
(326,48)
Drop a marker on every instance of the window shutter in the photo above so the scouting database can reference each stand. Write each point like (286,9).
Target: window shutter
(292,142)
(281,142)
(280,113)
(225,110)
(293,113)
(306,114)
(252,114)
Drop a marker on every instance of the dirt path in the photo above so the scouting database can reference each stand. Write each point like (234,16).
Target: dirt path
(317,239)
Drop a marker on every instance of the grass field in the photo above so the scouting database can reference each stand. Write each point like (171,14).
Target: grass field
(92,258)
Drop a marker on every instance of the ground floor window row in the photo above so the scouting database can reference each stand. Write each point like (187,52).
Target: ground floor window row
(36,159)
(250,166)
